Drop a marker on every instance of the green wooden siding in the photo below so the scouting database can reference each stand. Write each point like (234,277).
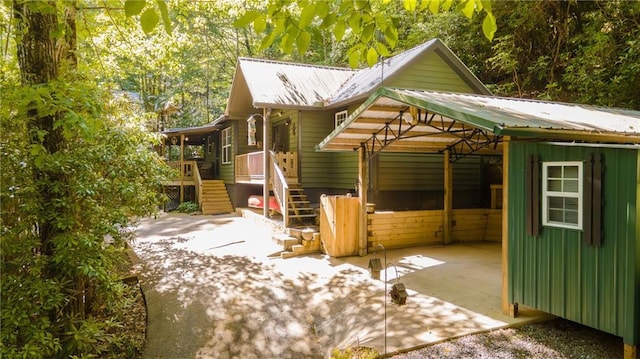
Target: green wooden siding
(556,272)
(227,172)
(315,167)
(430,72)
(397,172)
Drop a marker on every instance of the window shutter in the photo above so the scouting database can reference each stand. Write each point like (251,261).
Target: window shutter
(592,207)
(532,188)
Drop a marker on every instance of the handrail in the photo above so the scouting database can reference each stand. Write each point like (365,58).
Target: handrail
(198,185)
(280,188)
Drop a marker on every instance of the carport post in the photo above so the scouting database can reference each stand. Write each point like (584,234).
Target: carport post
(448,197)
(363,181)
(507,308)
(266,165)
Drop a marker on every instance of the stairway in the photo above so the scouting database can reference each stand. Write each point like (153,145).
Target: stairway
(215,198)
(300,210)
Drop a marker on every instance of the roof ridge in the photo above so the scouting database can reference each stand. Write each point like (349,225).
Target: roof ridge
(299,64)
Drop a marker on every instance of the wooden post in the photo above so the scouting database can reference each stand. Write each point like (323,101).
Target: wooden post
(181,168)
(631,351)
(266,161)
(363,181)
(448,198)
(506,305)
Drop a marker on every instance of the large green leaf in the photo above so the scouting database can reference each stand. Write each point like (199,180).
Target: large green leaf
(246,19)
(339,29)
(260,23)
(382,50)
(328,21)
(410,5)
(372,56)
(133,7)
(489,26)
(354,58)
(148,20)
(164,12)
(355,21)
(467,8)
(391,36)
(302,41)
(307,15)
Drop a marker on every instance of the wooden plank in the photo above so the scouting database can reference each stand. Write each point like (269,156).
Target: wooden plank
(448,196)
(505,226)
(363,188)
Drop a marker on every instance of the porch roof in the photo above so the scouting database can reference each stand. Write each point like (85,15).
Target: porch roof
(400,120)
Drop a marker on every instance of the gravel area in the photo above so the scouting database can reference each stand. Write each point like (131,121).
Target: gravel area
(556,338)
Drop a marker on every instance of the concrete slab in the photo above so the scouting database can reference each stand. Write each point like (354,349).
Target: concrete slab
(212,287)
(453,291)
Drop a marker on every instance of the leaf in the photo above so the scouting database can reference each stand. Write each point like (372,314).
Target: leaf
(133,7)
(446,5)
(322,9)
(302,41)
(372,56)
(354,58)
(468,8)
(307,15)
(489,26)
(246,19)
(367,32)
(338,30)
(355,21)
(410,5)
(382,50)
(391,36)
(164,12)
(260,23)
(486,5)
(148,20)
(328,20)
(434,6)
(286,44)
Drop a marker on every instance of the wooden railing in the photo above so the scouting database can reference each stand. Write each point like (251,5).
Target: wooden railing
(249,166)
(187,171)
(280,188)
(198,185)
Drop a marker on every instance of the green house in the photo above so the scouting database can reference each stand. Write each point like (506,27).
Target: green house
(278,112)
(571,192)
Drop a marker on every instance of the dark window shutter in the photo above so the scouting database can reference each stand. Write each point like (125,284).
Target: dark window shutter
(592,207)
(532,188)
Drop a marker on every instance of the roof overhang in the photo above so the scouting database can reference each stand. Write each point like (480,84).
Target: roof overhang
(397,120)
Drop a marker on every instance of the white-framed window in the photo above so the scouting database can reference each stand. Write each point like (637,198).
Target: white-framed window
(226,145)
(562,196)
(340,117)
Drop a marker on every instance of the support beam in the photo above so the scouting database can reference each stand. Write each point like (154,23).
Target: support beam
(181,168)
(448,197)
(363,181)
(506,305)
(266,161)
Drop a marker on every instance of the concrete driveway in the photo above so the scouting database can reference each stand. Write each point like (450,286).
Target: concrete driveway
(213,291)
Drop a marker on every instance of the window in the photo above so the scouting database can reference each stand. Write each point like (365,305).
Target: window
(340,117)
(226,145)
(562,194)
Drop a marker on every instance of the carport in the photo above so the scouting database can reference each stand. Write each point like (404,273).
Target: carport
(459,125)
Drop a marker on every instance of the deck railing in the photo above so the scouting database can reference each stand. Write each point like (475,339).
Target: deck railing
(280,188)
(249,166)
(187,171)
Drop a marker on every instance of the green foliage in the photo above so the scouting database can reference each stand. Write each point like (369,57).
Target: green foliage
(356,352)
(106,175)
(371,26)
(188,207)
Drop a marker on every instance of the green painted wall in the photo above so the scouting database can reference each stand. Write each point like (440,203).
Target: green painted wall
(315,166)
(226,169)
(556,272)
(430,72)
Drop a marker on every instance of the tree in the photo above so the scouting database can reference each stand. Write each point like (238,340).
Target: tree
(77,168)
(370,26)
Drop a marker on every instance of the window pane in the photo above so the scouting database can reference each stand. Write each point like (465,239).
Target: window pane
(570,185)
(554,172)
(571,172)
(554,185)
(571,217)
(556,202)
(571,204)
(555,215)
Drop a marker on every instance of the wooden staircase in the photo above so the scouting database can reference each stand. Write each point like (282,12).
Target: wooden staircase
(299,207)
(215,198)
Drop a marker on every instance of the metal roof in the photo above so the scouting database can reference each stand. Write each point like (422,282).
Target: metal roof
(369,79)
(402,120)
(292,84)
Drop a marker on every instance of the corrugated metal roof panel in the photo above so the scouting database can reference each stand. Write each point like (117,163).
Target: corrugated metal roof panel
(292,84)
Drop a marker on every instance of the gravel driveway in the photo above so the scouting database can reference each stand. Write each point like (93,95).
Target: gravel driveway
(556,338)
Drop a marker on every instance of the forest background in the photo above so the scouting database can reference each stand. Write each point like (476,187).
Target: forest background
(85,85)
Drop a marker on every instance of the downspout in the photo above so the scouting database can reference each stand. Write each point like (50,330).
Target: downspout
(266,112)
